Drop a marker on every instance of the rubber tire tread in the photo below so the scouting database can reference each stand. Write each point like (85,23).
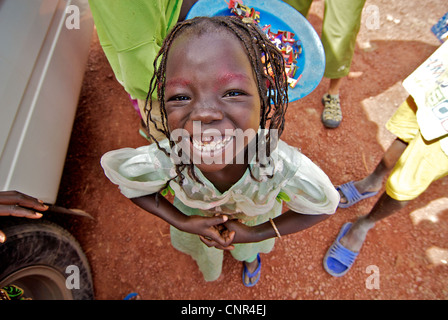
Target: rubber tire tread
(41,242)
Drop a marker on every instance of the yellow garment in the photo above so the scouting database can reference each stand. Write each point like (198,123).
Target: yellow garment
(421,163)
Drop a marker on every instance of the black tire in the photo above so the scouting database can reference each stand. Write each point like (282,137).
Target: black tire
(35,257)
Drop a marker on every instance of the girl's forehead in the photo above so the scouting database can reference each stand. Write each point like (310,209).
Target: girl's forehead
(218,47)
(209,60)
(217,37)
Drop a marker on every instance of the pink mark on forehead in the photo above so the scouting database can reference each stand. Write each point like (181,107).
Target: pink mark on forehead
(178,82)
(229,77)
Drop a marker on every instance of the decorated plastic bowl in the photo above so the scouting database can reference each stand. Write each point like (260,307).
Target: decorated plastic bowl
(280,21)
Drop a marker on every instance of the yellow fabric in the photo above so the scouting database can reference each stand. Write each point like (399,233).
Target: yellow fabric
(421,163)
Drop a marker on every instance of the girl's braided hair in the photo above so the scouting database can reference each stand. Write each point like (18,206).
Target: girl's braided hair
(267,63)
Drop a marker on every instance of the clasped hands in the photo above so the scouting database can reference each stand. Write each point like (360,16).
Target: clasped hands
(220,231)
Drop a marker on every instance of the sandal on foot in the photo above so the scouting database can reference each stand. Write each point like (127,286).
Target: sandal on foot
(352,194)
(132,296)
(332,114)
(257,273)
(338,259)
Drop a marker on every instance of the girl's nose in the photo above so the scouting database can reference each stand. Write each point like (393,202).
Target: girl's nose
(206,114)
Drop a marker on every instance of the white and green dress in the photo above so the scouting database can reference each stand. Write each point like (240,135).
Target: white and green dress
(304,187)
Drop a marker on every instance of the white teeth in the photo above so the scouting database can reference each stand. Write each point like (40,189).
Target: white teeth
(208,144)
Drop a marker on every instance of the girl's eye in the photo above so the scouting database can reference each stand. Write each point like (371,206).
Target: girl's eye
(179,98)
(234,93)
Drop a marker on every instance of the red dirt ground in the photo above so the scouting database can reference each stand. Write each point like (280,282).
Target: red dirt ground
(130,250)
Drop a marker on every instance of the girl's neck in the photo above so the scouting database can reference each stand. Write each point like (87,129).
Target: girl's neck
(224,179)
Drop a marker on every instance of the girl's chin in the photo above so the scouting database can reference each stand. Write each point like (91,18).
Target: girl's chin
(210,167)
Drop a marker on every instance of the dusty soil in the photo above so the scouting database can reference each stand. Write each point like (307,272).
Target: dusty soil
(129,249)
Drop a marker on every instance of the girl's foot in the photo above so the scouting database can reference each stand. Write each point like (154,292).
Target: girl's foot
(251,272)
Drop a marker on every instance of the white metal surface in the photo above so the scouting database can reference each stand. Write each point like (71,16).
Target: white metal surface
(42,63)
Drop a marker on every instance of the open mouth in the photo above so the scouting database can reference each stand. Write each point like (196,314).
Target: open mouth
(211,144)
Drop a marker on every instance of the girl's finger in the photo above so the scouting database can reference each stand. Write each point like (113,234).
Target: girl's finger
(216,220)
(207,241)
(228,236)
(210,243)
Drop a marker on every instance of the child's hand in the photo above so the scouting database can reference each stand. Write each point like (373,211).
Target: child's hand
(234,231)
(226,235)
(211,231)
(243,233)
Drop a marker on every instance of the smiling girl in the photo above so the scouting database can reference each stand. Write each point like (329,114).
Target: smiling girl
(214,89)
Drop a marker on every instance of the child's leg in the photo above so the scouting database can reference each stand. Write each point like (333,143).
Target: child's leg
(402,124)
(355,236)
(335,86)
(419,164)
(374,181)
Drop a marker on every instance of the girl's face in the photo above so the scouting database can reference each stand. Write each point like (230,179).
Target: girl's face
(211,92)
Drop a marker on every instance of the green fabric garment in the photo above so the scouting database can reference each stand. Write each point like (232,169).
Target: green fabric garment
(131,34)
(303,186)
(340,27)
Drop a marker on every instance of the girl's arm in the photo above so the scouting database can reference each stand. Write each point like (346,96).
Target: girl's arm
(287,223)
(206,227)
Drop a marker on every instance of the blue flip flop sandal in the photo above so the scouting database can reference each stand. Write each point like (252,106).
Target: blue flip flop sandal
(257,273)
(352,194)
(132,296)
(338,259)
